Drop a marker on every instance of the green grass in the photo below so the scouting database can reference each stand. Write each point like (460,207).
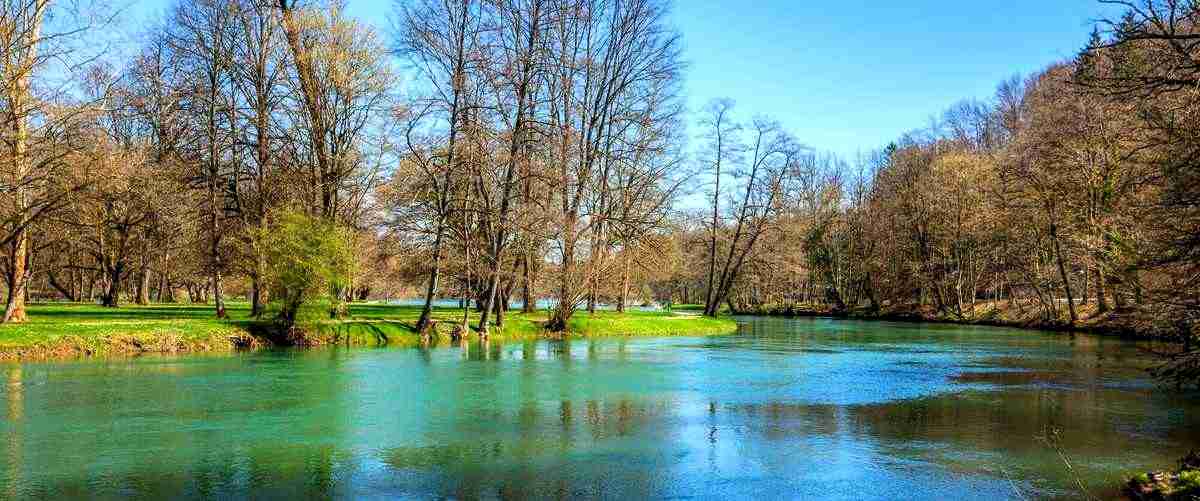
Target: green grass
(70,329)
(64,330)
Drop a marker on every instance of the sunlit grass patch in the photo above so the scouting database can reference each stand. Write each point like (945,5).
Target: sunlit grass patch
(65,329)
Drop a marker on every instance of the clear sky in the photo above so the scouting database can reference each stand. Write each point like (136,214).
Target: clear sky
(850,75)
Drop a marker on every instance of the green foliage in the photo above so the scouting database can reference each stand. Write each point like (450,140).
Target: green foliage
(1188,482)
(307,261)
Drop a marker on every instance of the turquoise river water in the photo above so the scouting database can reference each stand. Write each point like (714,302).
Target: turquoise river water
(785,409)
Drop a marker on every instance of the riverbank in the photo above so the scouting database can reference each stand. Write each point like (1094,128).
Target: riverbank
(65,330)
(1179,484)
(1127,323)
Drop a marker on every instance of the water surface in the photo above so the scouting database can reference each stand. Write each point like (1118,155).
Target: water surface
(785,409)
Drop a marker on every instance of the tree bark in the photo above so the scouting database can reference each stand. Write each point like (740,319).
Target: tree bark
(65,290)
(1062,271)
(1101,301)
(143,288)
(624,297)
(14,310)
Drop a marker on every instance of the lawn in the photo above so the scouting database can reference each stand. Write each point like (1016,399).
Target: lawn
(64,329)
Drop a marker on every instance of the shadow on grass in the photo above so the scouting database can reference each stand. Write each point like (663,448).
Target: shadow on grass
(132,312)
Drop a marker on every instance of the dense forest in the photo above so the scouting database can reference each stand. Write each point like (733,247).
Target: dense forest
(265,150)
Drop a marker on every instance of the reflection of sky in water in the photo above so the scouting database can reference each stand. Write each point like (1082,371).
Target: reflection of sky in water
(786,409)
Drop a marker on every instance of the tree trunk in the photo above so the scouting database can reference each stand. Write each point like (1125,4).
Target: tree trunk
(566,296)
(591,297)
(14,310)
(256,296)
(112,289)
(66,290)
(489,299)
(1062,271)
(527,301)
(501,306)
(621,302)
(434,275)
(143,286)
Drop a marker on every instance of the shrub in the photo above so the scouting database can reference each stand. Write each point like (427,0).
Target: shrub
(307,261)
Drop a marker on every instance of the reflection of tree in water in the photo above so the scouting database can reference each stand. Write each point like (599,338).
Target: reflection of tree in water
(781,420)
(553,447)
(183,435)
(14,398)
(1011,434)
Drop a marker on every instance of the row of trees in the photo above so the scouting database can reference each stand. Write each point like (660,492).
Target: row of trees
(539,153)
(1070,194)
(164,172)
(548,145)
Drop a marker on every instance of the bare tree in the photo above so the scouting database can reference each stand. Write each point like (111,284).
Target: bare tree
(770,157)
(606,53)
(441,36)
(36,122)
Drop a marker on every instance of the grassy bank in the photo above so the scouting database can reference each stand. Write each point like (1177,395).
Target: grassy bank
(59,330)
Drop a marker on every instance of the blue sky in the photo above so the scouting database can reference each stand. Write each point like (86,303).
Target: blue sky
(851,75)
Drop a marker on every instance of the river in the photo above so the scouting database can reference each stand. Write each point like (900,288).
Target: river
(805,408)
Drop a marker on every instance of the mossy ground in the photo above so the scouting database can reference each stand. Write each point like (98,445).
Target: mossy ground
(64,330)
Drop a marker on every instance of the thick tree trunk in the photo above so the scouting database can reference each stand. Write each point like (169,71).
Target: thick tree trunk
(489,299)
(14,310)
(257,306)
(112,289)
(566,294)
(501,306)
(143,286)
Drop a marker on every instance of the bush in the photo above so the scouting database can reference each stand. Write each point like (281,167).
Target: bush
(307,261)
